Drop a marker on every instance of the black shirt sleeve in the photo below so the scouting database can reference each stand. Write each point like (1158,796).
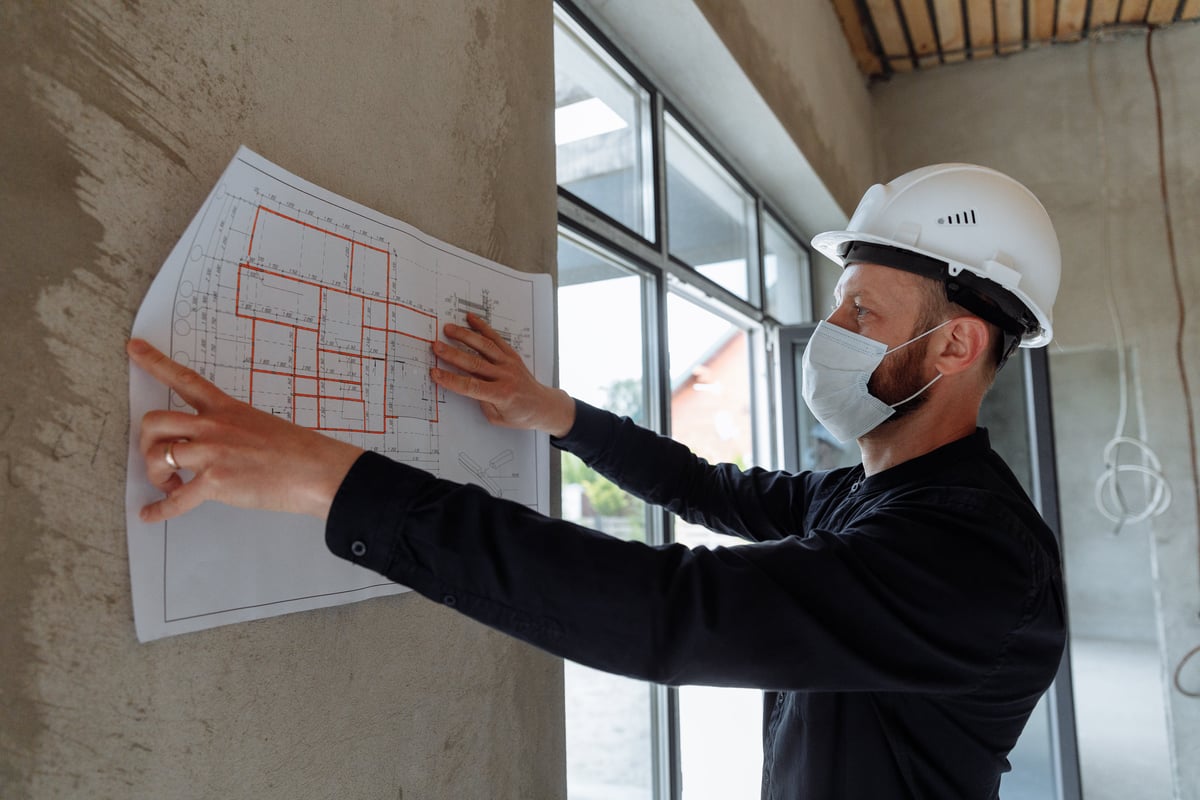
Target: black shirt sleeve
(822,611)
(753,504)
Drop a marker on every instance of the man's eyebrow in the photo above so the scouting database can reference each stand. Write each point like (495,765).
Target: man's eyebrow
(855,291)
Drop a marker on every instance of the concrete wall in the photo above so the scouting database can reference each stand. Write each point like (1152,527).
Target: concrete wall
(118,118)
(796,55)
(1078,125)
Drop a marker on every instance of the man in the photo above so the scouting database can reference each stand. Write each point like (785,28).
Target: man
(903,616)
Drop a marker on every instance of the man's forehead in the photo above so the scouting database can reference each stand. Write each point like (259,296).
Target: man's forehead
(867,278)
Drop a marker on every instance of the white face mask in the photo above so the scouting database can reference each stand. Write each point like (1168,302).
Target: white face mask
(836,367)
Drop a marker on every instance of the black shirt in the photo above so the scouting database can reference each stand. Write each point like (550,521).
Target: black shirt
(903,625)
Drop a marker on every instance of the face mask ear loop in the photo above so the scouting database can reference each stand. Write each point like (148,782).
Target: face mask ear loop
(936,378)
(920,336)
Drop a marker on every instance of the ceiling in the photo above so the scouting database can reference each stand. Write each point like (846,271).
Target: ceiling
(890,36)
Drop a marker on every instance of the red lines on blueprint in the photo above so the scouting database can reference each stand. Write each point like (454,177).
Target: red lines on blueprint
(329,349)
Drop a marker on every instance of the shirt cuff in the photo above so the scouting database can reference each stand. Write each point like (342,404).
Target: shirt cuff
(369,510)
(591,424)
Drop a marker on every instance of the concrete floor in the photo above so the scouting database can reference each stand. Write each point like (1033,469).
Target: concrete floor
(1122,726)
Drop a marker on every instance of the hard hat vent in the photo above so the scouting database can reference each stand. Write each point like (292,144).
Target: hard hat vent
(958,218)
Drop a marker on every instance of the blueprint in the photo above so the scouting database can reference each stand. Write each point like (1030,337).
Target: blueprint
(321,311)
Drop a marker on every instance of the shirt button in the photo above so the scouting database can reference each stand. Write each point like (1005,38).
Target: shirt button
(450,600)
(359,549)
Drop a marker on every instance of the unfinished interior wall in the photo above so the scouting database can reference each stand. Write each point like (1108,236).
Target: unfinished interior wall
(796,56)
(118,119)
(1077,124)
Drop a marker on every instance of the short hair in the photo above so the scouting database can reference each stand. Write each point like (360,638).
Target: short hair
(936,308)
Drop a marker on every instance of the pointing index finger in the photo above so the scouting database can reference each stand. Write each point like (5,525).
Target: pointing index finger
(187,383)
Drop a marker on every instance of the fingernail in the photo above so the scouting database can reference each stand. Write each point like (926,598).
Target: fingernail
(138,346)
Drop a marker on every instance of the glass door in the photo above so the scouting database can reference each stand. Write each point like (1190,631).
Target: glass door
(1016,413)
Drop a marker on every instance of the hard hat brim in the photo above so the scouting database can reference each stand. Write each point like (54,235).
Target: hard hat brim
(833,244)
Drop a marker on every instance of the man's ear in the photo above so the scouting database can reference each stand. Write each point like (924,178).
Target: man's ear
(965,341)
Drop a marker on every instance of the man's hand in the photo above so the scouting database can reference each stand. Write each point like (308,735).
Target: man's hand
(494,374)
(240,456)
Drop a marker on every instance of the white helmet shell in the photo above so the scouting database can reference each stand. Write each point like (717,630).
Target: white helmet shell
(973,218)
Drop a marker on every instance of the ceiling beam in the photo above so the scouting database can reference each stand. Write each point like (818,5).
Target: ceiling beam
(981,29)
(853,25)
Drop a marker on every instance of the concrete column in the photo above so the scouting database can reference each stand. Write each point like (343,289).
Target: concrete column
(118,119)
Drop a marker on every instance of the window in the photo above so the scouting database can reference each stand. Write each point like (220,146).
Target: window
(710,217)
(711,409)
(601,129)
(785,275)
(664,316)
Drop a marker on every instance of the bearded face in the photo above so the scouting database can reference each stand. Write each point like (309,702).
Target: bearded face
(899,375)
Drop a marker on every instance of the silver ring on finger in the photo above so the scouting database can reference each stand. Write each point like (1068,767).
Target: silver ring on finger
(169,456)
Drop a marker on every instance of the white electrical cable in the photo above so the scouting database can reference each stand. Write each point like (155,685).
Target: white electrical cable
(1110,499)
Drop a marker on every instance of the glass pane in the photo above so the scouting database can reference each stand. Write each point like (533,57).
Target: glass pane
(710,217)
(609,753)
(720,729)
(785,275)
(601,129)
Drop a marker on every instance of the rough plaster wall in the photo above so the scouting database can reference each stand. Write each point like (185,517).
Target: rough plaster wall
(797,57)
(118,118)
(1035,116)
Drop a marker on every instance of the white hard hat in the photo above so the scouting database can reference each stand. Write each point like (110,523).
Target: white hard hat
(978,230)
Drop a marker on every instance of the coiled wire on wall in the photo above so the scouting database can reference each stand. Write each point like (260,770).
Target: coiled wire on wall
(1110,498)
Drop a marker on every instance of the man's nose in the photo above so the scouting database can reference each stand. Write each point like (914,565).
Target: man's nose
(842,316)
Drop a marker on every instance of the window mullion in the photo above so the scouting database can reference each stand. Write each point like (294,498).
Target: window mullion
(668,782)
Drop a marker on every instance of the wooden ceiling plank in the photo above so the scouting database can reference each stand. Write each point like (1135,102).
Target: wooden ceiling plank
(1041,20)
(1191,10)
(1133,12)
(920,27)
(1104,12)
(1162,12)
(1010,24)
(979,26)
(950,28)
(852,26)
(891,32)
(1070,20)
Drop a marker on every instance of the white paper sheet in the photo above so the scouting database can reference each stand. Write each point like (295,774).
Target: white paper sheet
(321,310)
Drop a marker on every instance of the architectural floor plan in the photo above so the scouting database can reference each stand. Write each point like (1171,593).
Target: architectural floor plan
(320,311)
